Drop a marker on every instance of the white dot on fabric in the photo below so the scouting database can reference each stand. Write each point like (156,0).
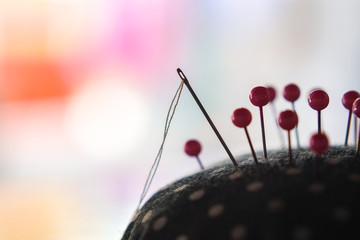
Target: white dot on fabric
(293,171)
(275,205)
(354,177)
(255,186)
(341,214)
(166,187)
(147,216)
(197,195)
(332,161)
(136,216)
(159,223)
(181,188)
(182,237)
(218,170)
(238,232)
(235,175)
(317,187)
(216,210)
(302,233)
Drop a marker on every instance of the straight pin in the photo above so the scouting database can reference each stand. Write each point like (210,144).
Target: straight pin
(292,93)
(356,110)
(241,118)
(272,96)
(288,120)
(318,100)
(348,100)
(259,96)
(193,149)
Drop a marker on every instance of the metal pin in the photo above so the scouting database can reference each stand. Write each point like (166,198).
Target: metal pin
(183,77)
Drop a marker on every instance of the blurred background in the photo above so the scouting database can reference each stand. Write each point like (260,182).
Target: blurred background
(85,86)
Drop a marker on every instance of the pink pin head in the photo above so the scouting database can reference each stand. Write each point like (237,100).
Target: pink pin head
(291,92)
(259,96)
(241,117)
(349,98)
(272,93)
(319,143)
(356,107)
(192,148)
(318,99)
(288,120)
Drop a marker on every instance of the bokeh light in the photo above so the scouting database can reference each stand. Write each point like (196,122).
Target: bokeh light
(106,119)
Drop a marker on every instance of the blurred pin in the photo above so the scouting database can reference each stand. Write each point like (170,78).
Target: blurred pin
(355,129)
(292,93)
(319,143)
(318,100)
(193,149)
(348,100)
(288,120)
(272,96)
(356,110)
(241,118)
(259,97)
(186,82)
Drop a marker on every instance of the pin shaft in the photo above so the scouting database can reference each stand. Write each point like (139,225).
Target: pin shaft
(296,128)
(319,122)
(355,129)
(348,129)
(263,131)
(200,163)
(273,109)
(251,146)
(358,146)
(289,142)
(183,77)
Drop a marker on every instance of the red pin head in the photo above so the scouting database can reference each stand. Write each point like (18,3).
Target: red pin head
(192,148)
(288,120)
(259,96)
(318,99)
(291,92)
(356,107)
(241,117)
(319,143)
(349,98)
(272,93)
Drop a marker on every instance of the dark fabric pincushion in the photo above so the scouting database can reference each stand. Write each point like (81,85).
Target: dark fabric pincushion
(315,198)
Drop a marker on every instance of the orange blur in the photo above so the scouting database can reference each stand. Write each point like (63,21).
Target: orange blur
(30,80)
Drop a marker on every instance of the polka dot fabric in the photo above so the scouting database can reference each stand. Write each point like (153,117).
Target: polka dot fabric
(315,198)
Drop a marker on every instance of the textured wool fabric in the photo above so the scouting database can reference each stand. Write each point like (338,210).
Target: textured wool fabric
(315,198)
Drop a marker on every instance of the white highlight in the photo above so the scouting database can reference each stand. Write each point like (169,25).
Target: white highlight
(106,119)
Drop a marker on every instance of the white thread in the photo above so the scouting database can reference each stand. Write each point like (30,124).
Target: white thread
(155,165)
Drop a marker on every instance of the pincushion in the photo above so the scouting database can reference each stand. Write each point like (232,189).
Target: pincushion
(314,198)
